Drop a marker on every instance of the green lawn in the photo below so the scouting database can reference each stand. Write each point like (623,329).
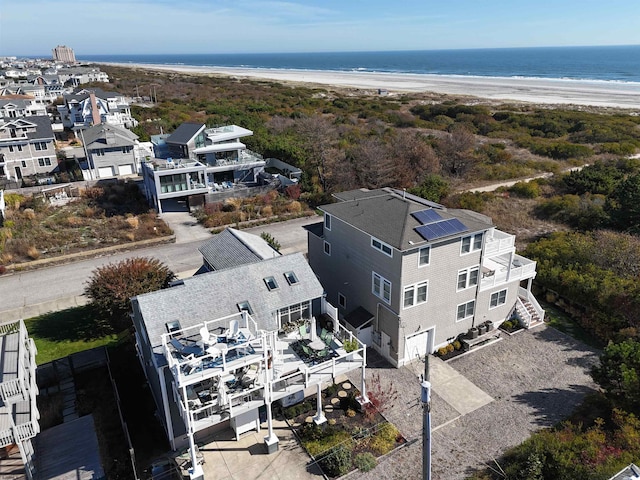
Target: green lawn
(62,333)
(559,320)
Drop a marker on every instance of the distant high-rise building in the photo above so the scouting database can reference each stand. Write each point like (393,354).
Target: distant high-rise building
(62,53)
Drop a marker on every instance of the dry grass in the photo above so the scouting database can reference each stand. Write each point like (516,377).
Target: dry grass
(133,222)
(33,253)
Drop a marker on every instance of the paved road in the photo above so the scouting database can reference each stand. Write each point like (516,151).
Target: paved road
(26,294)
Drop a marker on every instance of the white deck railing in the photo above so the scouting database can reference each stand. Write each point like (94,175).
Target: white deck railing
(496,273)
(499,243)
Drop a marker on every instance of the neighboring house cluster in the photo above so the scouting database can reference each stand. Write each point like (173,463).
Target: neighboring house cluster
(409,276)
(28,120)
(219,348)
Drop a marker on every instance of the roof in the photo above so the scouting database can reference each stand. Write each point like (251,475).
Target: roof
(185,132)
(216,294)
(104,134)
(358,317)
(231,248)
(85,93)
(69,451)
(364,209)
(42,125)
(632,472)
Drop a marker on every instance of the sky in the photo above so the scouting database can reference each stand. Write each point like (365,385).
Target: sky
(93,27)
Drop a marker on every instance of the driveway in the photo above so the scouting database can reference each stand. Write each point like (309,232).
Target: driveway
(528,381)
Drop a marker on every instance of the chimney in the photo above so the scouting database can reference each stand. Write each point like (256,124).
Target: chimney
(95,113)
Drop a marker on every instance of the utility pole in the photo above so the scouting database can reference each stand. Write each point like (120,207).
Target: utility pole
(425,398)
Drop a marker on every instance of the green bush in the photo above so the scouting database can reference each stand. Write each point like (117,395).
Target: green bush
(526,189)
(365,461)
(337,462)
(350,345)
(442,351)
(384,440)
(457,345)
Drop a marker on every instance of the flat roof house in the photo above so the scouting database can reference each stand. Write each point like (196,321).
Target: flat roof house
(409,276)
(220,347)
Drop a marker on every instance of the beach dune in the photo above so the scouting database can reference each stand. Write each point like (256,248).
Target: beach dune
(532,90)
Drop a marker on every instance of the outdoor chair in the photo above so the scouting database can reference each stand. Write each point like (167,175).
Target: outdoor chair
(311,355)
(186,350)
(303,332)
(326,336)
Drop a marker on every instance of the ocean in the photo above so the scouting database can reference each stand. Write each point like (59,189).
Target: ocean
(608,63)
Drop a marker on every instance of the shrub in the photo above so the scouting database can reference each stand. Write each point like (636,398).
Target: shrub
(133,222)
(29,213)
(457,345)
(384,440)
(33,253)
(365,461)
(442,351)
(350,345)
(350,413)
(450,348)
(526,189)
(111,286)
(337,462)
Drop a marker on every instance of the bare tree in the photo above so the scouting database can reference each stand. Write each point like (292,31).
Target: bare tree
(456,150)
(414,158)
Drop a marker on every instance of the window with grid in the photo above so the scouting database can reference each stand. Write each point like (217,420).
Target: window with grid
(468,278)
(498,298)
(415,294)
(423,256)
(471,243)
(466,310)
(381,287)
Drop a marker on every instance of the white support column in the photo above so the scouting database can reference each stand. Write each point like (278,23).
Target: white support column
(363,387)
(319,419)
(195,472)
(271,440)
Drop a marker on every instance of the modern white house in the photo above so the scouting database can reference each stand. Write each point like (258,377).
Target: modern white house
(409,276)
(18,390)
(200,160)
(220,348)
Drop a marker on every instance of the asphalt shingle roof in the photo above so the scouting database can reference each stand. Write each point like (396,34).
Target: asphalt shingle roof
(231,248)
(216,294)
(386,215)
(121,136)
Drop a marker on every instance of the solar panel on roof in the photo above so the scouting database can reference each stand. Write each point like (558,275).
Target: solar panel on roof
(443,228)
(427,216)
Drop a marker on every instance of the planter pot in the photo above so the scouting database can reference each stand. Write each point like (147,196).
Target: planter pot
(473,333)
(482,329)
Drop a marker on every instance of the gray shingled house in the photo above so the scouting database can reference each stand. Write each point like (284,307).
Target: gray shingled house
(219,348)
(27,147)
(111,151)
(409,276)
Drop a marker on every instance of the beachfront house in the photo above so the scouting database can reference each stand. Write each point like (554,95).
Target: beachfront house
(18,390)
(219,348)
(200,161)
(410,276)
(27,147)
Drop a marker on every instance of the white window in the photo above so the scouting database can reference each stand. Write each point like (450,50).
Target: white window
(415,294)
(468,278)
(466,310)
(471,243)
(381,287)
(342,300)
(423,256)
(383,247)
(327,248)
(327,221)
(498,298)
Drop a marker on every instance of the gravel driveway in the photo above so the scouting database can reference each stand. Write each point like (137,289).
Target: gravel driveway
(536,379)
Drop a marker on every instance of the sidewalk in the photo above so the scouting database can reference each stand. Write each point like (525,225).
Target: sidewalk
(185,227)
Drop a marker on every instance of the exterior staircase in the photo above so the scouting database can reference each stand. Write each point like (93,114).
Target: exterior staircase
(527,313)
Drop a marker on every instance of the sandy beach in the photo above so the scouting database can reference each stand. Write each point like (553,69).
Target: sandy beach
(532,90)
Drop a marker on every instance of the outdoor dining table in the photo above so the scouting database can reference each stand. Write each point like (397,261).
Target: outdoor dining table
(317,344)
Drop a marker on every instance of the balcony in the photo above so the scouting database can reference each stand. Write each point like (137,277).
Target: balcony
(499,270)
(499,243)
(229,366)
(246,158)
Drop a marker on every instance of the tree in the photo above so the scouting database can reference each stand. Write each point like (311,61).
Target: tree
(619,374)
(456,150)
(111,287)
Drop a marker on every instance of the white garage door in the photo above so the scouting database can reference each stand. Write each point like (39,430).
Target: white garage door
(125,169)
(416,346)
(104,172)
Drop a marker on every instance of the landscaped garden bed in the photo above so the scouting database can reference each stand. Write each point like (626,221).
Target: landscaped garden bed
(511,326)
(353,436)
